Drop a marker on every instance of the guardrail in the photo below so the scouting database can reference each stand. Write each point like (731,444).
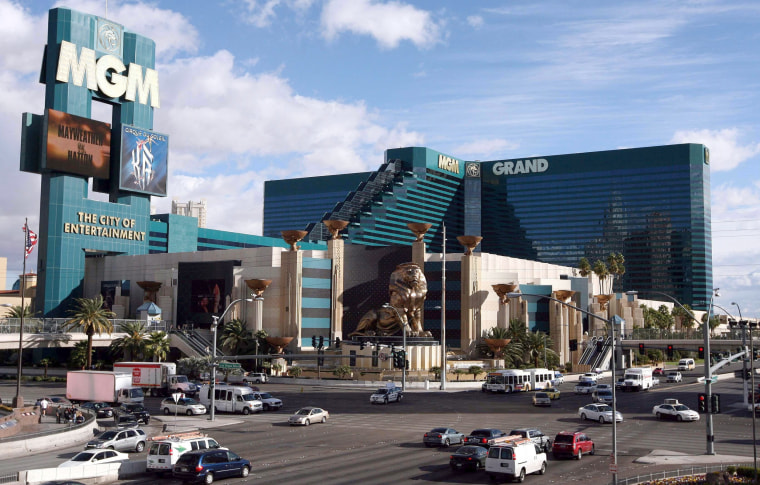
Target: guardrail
(681,472)
(57,325)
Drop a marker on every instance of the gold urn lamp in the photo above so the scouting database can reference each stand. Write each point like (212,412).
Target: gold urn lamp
(335,226)
(293,237)
(419,229)
(469,242)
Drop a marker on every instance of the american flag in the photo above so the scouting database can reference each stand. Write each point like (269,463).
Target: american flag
(31,240)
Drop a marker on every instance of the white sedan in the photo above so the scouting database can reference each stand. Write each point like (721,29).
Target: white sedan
(184,405)
(679,412)
(95,457)
(599,412)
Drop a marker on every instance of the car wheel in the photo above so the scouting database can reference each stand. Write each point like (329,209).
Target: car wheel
(400,397)
(246,411)
(583,416)
(324,419)
(446,443)
(140,446)
(543,469)
(111,448)
(521,476)
(679,418)
(385,401)
(244,472)
(492,478)
(266,407)
(579,455)
(307,422)
(601,419)
(166,411)
(209,478)
(659,415)
(593,450)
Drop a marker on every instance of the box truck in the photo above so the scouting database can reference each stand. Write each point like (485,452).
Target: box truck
(110,387)
(638,379)
(157,378)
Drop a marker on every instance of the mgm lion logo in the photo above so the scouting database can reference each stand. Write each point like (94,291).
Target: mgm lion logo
(407,290)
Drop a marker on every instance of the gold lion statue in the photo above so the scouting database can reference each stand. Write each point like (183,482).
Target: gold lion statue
(407,291)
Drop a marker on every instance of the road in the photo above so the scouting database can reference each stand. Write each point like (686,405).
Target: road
(379,444)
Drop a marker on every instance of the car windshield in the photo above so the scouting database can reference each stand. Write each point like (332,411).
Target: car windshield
(265,395)
(187,459)
(541,395)
(563,438)
(181,379)
(188,401)
(248,397)
(438,430)
(604,392)
(108,435)
(481,432)
(467,450)
(83,457)
(681,407)
(382,391)
(604,409)
(304,412)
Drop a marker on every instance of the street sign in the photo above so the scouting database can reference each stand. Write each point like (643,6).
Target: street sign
(713,379)
(176,396)
(229,365)
(613,468)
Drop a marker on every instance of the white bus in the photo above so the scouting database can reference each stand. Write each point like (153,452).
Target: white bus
(518,380)
(507,380)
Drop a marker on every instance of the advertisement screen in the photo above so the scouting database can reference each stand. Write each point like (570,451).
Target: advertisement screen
(77,145)
(207,296)
(144,161)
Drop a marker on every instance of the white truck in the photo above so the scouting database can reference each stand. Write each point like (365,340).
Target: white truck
(102,386)
(157,378)
(638,379)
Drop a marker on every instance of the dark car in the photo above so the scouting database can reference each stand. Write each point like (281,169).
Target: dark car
(468,458)
(484,436)
(100,409)
(208,465)
(137,410)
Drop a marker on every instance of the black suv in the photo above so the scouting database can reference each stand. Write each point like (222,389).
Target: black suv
(483,437)
(208,465)
(139,412)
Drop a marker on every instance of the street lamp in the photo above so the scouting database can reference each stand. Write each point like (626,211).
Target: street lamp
(744,326)
(403,328)
(708,374)
(18,401)
(612,323)
(214,325)
(444,354)
(732,321)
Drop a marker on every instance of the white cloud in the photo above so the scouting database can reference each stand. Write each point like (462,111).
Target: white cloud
(389,23)
(261,13)
(725,151)
(475,21)
(485,149)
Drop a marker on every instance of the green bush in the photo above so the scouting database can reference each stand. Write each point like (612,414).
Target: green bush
(746,471)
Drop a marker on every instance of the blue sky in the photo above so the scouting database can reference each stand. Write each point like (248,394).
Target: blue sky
(267,89)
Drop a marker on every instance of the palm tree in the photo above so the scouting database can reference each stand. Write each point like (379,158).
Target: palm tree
(79,357)
(90,316)
(514,351)
(157,345)
(535,345)
(602,272)
(584,267)
(684,316)
(132,345)
(15,312)
(45,362)
(236,337)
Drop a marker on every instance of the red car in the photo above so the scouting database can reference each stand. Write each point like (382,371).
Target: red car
(659,371)
(572,444)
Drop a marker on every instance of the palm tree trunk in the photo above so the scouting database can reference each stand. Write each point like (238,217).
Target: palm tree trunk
(90,334)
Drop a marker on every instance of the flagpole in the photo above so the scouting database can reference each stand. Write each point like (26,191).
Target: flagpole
(18,401)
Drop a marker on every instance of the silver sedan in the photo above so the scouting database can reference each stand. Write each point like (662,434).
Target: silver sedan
(442,437)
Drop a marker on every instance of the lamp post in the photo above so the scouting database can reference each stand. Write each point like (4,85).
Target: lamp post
(214,325)
(745,326)
(731,323)
(403,331)
(612,323)
(18,401)
(444,354)
(708,374)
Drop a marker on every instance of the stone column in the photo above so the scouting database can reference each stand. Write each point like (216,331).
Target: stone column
(560,322)
(504,314)
(418,246)
(292,276)
(257,287)
(336,253)
(470,285)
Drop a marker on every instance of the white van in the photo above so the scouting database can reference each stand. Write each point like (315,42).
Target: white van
(165,450)
(515,460)
(686,364)
(231,399)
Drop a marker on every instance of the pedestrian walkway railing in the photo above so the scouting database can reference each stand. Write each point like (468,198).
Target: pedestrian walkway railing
(58,326)
(666,475)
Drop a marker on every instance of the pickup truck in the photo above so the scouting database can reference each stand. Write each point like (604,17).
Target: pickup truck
(536,436)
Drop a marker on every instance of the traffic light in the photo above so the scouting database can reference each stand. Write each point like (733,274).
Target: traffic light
(321,341)
(641,349)
(599,345)
(701,352)
(748,374)
(337,342)
(573,345)
(398,359)
(314,341)
(670,351)
(702,402)
(715,403)
(320,359)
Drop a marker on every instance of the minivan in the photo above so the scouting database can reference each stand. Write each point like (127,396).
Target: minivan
(207,466)
(515,460)
(231,399)
(166,450)
(686,364)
